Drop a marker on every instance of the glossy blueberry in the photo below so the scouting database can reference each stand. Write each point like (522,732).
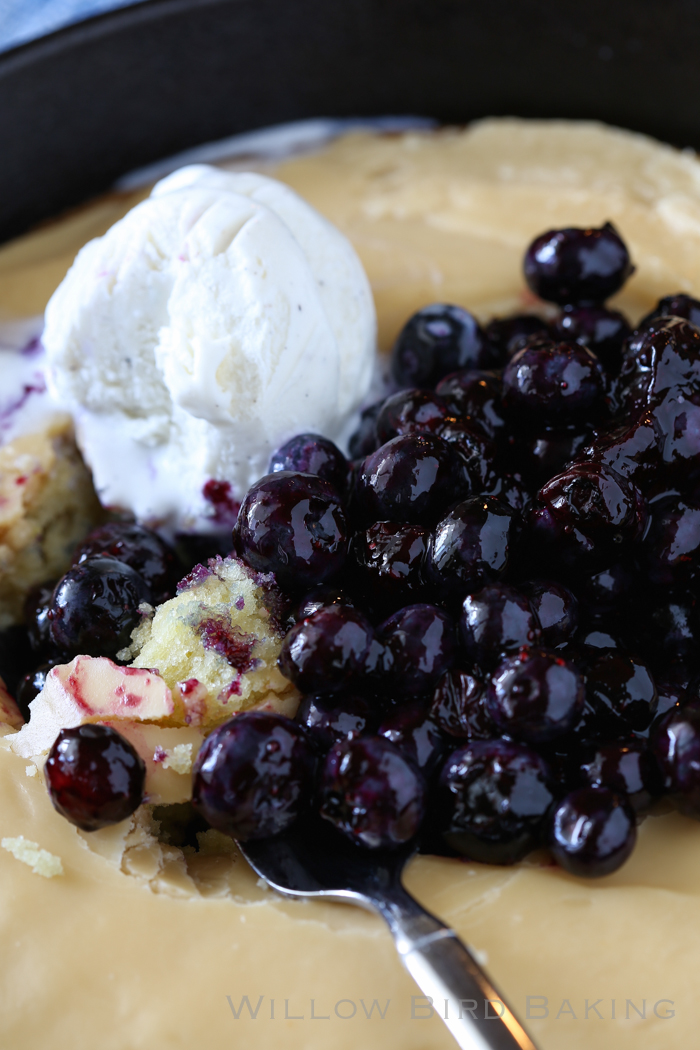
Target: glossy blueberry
(416,734)
(437,340)
(672,542)
(680,305)
(411,411)
(535,695)
(602,591)
(459,708)
(36,617)
(670,627)
(632,450)
(511,489)
(295,526)
(330,649)
(470,547)
(555,381)
(492,800)
(372,793)
(94,776)
(320,598)
(312,454)
(477,452)
(662,358)
(549,451)
(391,560)
(253,775)
(555,608)
(29,687)
(596,501)
(475,397)
(421,645)
(675,744)
(333,717)
(95,607)
(621,690)
(140,548)
(603,331)
(364,440)
(593,832)
(628,769)
(412,478)
(574,265)
(510,334)
(497,620)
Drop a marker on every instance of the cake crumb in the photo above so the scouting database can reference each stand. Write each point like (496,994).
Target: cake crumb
(31,770)
(179,759)
(39,860)
(215,843)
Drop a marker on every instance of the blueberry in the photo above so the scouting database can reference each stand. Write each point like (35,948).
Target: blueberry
(95,607)
(632,450)
(329,650)
(412,411)
(672,543)
(412,478)
(671,629)
(510,489)
(535,695)
(628,769)
(604,590)
(253,775)
(496,620)
(295,526)
(391,560)
(510,334)
(320,598)
(140,548)
(312,454)
(555,381)
(596,501)
(416,734)
(334,717)
(470,547)
(94,776)
(477,452)
(421,644)
(603,331)
(364,440)
(459,708)
(549,451)
(372,793)
(575,265)
(661,359)
(36,617)
(622,691)
(475,396)
(675,744)
(29,687)
(680,305)
(556,609)
(437,340)
(593,832)
(492,800)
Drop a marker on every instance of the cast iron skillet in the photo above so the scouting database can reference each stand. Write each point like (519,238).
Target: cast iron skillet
(86,104)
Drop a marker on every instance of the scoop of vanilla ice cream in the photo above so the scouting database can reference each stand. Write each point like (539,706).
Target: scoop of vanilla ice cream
(218,318)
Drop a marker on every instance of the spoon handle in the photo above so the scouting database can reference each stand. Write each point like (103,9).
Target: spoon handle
(445,970)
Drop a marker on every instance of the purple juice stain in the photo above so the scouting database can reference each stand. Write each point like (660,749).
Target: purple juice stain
(219,494)
(221,636)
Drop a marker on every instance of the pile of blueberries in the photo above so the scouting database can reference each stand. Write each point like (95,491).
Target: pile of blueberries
(493,606)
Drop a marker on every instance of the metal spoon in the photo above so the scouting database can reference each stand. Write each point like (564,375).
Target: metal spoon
(312,861)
